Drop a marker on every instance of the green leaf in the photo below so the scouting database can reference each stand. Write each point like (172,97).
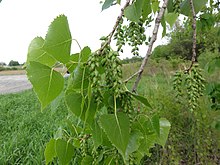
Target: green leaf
(56,102)
(74,101)
(148,142)
(156,124)
(47,82)
(186,9)
(87,160)
(110,160)
(171,18)
(134,11)
(170,6)
(119,2)
(64,151)
(117,130)
(164,131)
(36,53)
(134,143)
(146,9)
(79,78)
(96,134)
(163,23)
(77,58)
(107,4)
(58,39)
(84,54)
(50,152)
(73,62)
(82,108)
(142,99)
(155,5)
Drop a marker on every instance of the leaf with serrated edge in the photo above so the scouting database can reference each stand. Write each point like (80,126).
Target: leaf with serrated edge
(64,151)
(58,39)
(49,152)
(47,82)
(117,130)
(36,53)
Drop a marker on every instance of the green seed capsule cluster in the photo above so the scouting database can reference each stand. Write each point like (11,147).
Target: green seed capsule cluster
(133,34)
(95,77)
(176,6)
(195,86)
(83,145)
(113,71)
(119,36)
(177,83)
(191,84)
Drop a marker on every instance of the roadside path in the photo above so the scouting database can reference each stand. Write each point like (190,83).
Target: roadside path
(14,83)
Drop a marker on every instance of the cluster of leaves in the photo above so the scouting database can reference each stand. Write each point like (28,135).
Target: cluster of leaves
(104,126)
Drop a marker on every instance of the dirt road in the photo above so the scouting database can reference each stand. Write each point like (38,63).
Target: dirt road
(14,83)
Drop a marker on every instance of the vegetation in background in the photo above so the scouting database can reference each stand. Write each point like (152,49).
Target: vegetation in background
(13,63)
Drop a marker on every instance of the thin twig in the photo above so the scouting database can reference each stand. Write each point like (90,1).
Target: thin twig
(115,27)
(153,39)
(132,76)
(193,60)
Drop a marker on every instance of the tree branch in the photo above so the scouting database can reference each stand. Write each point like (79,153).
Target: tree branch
(115,27)
(153,39)
(132,76)
(193,60)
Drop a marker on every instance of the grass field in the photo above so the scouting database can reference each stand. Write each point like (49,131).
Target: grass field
(24,130)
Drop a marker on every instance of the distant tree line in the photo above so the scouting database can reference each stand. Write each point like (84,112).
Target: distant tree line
(132,60)
(180,44)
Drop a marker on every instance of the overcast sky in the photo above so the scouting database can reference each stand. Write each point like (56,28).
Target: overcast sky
(22,20)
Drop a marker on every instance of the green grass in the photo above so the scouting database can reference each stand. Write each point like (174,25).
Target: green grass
(24,129)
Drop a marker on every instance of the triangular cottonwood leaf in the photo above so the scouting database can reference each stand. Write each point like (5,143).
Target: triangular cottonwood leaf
(50,152)
(58,39)
(171,18)
(36,53)
(117,130)
(64,151)
(47,82)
